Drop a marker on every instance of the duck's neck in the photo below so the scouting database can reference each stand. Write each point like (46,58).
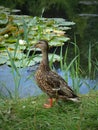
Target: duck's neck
(45,61)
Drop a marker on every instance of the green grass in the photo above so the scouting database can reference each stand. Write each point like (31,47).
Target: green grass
(29,114)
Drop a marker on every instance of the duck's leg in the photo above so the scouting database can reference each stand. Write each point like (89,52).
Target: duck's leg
(49,105)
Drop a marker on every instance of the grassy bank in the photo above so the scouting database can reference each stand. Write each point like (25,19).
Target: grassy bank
(29,114)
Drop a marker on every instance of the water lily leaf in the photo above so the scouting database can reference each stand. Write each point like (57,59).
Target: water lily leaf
(58,20)
(48,30)
(64,28)
(12,47)
(22,62)
(66,23)
(62,39)
(11,40)
(2,48)
(54,31)
(34,41)
(3,58)
(32,34)
(17,56)
(59,41)
(54,57)
(50,22)
(48,36)
(21,18)
(34,61)
(59,33)
(55,43)
(3,18)
(32,22)
(6,9)
(1,8)
(17,63)
(38,58)
(1,39)
(15,10)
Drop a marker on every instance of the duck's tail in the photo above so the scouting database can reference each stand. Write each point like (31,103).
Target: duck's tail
(75,99)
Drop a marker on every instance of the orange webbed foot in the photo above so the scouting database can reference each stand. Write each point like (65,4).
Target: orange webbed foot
(49,105)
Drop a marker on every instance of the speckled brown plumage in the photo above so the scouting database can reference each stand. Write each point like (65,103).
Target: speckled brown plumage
(49,81)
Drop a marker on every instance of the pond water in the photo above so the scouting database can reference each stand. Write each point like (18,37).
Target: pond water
(86,84)
(27,85)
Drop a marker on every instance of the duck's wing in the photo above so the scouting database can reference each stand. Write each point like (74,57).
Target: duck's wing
(59,84)
(53,80)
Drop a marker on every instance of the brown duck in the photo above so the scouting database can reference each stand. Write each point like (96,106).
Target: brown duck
(49,81)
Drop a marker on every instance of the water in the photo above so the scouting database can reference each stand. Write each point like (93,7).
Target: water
(27,85)
(85,84)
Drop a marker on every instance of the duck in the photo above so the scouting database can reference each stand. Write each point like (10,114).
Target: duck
(51,82)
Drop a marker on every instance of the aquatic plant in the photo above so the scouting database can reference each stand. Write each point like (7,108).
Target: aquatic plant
(72,71)
(28,30)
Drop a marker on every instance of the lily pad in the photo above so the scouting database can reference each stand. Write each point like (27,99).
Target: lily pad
(3,58)
(58,41)
(67,23)
(58,20)
(54,57)
(15,10)
(17,56)
(3,18)
(37,59)
(64,28)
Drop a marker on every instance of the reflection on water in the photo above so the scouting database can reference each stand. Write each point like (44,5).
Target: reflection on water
(27,85)
(89,15)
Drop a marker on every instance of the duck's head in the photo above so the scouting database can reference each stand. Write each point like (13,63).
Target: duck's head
(42,44)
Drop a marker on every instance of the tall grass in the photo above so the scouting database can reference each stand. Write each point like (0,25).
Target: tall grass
(15,72)
(73,69)
(89,60)
(92,64)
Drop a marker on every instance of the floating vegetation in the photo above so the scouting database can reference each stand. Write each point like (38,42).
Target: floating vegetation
(19,32)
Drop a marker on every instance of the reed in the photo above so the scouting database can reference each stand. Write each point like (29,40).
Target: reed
(89,61)
(15,72)
(73,70)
